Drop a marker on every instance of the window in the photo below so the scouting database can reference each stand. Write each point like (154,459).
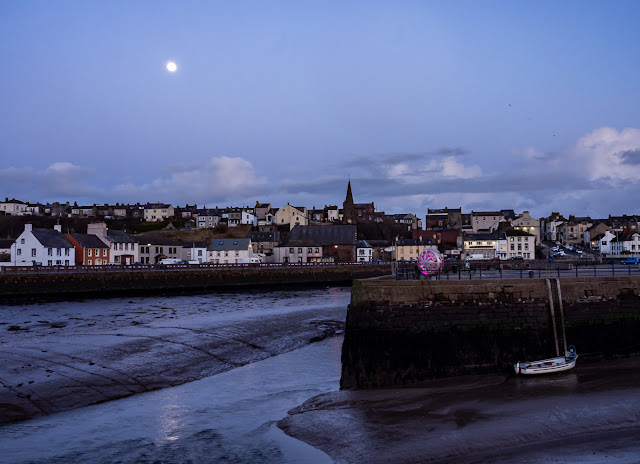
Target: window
(104,252)
(317,250)
(89,252)
(235,242)
(66,262)
(49,263)
(218,254)
(226,253)
(22,241)
(299,250)
(290,250)
(512,247)
(18,251)
(89,262)
(237,253)
(58,252)
(221,243)
(66,251)
(49,251)
(199,252)
(33,251)
(310,250)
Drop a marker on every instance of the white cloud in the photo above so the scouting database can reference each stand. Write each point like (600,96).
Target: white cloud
(601,152)
(452,168)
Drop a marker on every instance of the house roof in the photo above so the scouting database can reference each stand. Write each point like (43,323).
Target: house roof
(423,241)
(196,244)
(119,236)
(517,232)
(88,241)
(157,206)
(226,244)
(324,235)
(482,236)
(51,238)
(363,244)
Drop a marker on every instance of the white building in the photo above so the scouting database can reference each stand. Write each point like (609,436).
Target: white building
(520,244)
(628,244)
(194,251)
(364,252)
(602,242)
(42,247)
(13,207)
(229,250)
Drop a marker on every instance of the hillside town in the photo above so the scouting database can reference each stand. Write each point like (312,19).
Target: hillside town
(265,233)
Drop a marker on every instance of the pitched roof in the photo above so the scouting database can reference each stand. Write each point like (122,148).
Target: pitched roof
(225,244)
(482,236)
(51,238)
(193,244)
(89,241)
(363,244)
(119,236)
(324,235)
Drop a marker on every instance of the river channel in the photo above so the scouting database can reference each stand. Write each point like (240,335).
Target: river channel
(264,364)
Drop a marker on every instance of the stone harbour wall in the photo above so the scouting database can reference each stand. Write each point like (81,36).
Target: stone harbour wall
(114,283)
(404,332)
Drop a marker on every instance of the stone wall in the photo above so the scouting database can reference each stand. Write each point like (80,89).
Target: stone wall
(117,282)
(400,333)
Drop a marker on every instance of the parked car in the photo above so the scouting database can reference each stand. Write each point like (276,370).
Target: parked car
(631,261)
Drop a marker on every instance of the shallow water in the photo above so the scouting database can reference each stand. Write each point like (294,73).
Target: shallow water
(229,417)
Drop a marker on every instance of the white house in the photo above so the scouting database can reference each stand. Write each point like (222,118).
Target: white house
(229,250)
(13,207)
(42,247)
(628,244)
(194,251)
(364,252)
(520,244)
(602,242)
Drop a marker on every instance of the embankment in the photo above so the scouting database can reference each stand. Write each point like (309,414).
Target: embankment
(122,281)
(401,333)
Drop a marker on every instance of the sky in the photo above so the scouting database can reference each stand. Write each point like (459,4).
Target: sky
(421,104)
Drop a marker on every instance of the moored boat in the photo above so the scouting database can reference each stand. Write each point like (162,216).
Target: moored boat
(547,366)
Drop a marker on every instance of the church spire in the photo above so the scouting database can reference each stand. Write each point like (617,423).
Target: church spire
(348,211)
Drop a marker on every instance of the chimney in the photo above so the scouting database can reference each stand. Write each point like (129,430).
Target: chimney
(28,227)
(58,227)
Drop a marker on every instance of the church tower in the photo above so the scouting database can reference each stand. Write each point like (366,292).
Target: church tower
(348,211)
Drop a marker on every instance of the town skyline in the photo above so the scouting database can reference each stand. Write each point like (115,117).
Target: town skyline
(422,105)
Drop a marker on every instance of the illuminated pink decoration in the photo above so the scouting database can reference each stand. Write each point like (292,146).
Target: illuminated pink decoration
(430,262)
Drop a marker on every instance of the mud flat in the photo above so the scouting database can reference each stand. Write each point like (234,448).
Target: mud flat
(65,355)
(590,415)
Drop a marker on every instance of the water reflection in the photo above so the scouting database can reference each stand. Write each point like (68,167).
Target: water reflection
(229,417)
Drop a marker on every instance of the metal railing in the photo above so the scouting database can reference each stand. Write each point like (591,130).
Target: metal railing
(108,268)
(411,272)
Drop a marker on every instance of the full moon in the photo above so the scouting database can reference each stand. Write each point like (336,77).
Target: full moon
(171,66)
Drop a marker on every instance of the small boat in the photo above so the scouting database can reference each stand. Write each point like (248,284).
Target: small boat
(547,366)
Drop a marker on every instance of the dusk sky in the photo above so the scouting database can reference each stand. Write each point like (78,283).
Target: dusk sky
(481,105)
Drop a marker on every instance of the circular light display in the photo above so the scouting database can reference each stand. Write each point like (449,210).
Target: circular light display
(430,261)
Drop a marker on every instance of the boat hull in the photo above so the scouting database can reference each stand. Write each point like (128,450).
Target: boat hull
(546,366)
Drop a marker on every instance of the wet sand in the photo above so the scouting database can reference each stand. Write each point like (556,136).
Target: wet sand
(589,415)
(60,356)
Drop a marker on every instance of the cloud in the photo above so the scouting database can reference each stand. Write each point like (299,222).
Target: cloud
(221,178)
(598,174)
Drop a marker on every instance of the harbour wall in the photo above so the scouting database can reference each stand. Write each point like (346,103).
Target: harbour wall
(404,332)
(120,281)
